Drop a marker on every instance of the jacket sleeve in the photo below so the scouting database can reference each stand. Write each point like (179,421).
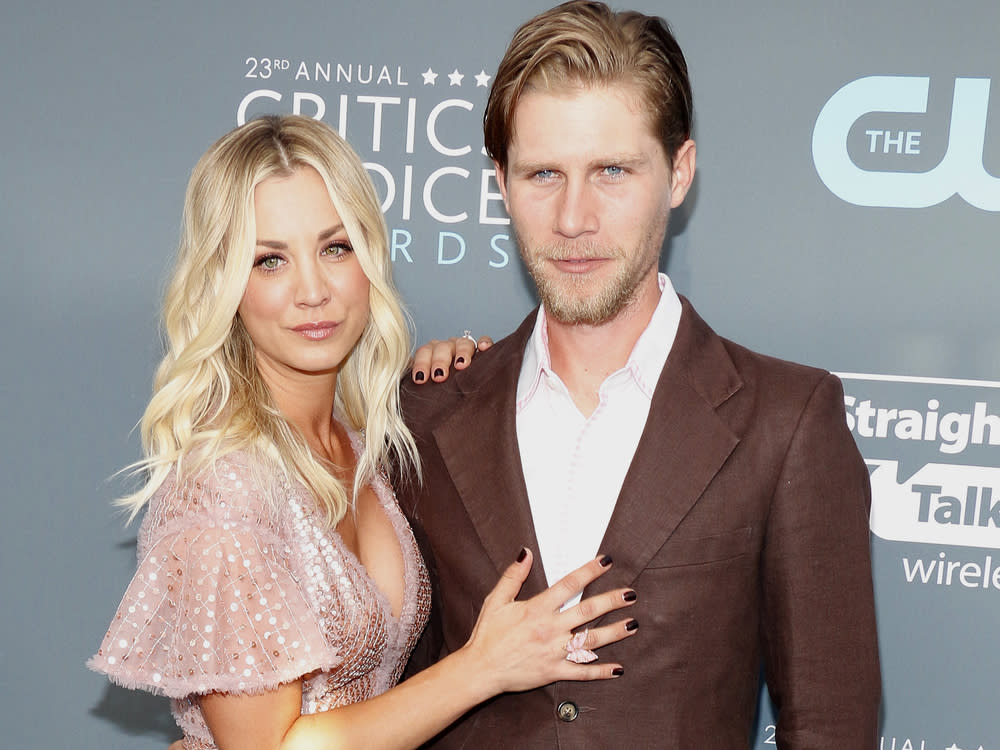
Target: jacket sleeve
(818,621)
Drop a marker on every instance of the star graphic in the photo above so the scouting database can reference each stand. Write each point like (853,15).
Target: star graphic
(953,747)
(455,79)
(430,77)
(482,79)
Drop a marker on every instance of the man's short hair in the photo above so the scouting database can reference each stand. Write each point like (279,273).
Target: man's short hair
(583,43)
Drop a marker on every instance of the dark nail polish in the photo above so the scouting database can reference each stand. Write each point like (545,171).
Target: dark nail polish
(604,560)
(522,554)
(618,671)
(418,376)
(439,373)
(630,596)
(632,625)
(459,360)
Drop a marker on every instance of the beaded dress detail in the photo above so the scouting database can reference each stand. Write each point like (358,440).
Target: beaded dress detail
(237,592)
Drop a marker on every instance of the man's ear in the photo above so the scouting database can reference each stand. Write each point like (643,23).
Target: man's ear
(683,174)
(502,182)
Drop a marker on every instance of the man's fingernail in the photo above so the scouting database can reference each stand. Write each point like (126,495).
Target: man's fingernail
(632,625)
(618,671)
(459,360)
(630,596)
(604,560)
(419,376)
(439,373)
(522,554)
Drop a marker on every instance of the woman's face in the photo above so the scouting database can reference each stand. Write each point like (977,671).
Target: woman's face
(306,303)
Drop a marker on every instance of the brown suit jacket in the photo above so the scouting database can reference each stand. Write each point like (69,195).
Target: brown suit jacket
(742,524)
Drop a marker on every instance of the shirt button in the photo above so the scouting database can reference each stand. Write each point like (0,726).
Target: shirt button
(568,711)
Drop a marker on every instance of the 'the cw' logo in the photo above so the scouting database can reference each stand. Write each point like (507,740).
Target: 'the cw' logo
(961,171)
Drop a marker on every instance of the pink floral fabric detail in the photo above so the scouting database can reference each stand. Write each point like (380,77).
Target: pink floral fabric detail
(241,587)
(213,608)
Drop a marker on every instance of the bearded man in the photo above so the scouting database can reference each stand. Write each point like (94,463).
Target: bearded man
(724,483)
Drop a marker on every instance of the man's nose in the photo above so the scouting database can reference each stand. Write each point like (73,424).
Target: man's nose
(577,211)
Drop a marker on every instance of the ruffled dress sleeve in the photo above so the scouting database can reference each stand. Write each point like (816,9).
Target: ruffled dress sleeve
(216,603)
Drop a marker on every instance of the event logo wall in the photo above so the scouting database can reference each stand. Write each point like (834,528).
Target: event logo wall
(419,133)
(960,171)
(932,448)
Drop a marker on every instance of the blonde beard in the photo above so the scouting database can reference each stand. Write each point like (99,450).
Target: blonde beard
(567,297)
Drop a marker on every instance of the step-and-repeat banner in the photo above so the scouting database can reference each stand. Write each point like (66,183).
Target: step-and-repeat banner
(845,214)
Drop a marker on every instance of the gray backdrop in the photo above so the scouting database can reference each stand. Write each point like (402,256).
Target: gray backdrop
(845,214)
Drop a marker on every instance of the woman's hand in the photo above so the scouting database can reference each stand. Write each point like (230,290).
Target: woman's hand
(523,645)
(514,646)
(434,360)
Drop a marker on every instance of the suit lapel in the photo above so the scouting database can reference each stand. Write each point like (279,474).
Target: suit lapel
(683,446)
(478,444)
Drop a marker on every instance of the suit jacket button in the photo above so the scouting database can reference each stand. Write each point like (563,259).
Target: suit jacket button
(567,711)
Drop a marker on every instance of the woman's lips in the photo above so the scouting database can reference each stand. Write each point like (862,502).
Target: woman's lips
(316,331)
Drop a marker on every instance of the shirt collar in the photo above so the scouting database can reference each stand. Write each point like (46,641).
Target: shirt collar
(645,363)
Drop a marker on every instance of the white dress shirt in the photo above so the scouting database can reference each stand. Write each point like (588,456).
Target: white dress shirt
(573,465)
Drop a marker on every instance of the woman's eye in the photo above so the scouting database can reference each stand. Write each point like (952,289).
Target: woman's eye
(336,249)
(269,262)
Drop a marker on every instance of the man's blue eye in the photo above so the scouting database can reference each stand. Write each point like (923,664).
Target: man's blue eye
(613,170)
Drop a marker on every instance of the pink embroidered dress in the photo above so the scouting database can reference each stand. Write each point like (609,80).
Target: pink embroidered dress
(238,593)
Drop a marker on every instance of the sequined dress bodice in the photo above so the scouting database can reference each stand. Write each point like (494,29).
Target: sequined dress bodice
(242,586)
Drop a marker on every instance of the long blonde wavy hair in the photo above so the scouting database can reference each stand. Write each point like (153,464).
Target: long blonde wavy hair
(208,396)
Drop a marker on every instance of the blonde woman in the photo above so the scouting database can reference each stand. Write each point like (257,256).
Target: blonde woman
(279,590)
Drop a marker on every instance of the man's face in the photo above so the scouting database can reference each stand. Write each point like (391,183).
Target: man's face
(589,189)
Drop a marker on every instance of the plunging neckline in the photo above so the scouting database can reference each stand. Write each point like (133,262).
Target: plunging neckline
(357,446)
(381,597)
